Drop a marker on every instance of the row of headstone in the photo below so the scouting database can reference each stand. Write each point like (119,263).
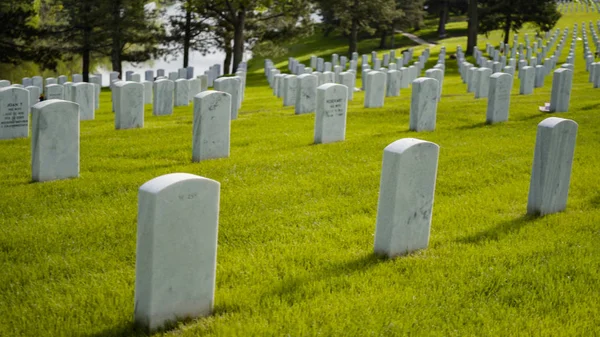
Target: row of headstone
(403,223)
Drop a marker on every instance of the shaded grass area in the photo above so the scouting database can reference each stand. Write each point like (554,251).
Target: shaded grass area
(297,222)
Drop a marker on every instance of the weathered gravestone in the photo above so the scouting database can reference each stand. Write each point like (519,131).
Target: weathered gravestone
(55,91)
(348,79)
(375,89)
(34,95)
(212,125)
(14,112)
(561,90)
(176,254)
(499,98)
(437,74)
(54,140)
(406,192)
(483,86)
(230,85)
(394,82)
(147,92)
(162,97)
(203,82)
(290,88)
(306,95)
(83,94)
(552,163)
(330,117)
(129,105)
(527,79)
(182,92)
(195,87)
(423,106)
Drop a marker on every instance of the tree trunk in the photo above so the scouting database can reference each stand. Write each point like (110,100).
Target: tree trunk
(353,38)
(228,54)
(187,36)
(383,39)
(238,38)
(115,55)
(507,25)
(393,38)
(443,19)
(472,29)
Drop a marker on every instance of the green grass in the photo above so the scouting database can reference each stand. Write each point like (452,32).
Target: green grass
(295,254)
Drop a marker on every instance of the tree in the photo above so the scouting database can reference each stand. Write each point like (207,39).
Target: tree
(189,30)
(241,14)
(511,15)
(18,33)
(443,8)
(472,29)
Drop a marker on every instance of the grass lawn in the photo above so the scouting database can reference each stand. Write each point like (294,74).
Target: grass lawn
(295,254)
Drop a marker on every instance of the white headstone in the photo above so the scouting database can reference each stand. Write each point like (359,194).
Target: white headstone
(561,90)
(527,79)
(27,82)
(38,81)
(97,81)
(499,98)
(195,87)
(232,86)
(55,91)
(203,82)
(552,163)
(77,78)
(437,74)
(162,98)
(149,75)
(406,192)
(147,92)
(181,73)
(423,106)
(173,76)
(34,95)
(330,117)
(348,79)
(394,82)
(83,94)
(306,95)
(68,92)
(182,92)
(483,86)
(54,140)
(14,112)
(375,89)
(290,88)
(176,255)
(212,125)
(129,105)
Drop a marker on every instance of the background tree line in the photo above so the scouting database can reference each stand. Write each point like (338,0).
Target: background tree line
(51,31)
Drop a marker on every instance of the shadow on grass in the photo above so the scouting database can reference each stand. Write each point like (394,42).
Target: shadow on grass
(498,231)
(125,329)
(475,126)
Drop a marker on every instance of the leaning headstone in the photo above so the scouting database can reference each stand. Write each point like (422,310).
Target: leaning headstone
(212,125)
(162,97)
(232,86)
(330,117)
(306,95)
(182,92)
(129,105)
(406,192)
(499,98)
(83,94)
(147,92)
(561,90)
(552,163)
(55,91)
(375,89)
(176,255)
(527,78)
(290,88)
(54,140)
(14,112)
(423,106)
(348,79)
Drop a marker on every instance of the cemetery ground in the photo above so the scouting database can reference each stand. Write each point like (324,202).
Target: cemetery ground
(295,245)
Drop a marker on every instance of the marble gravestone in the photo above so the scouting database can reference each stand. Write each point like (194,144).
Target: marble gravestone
(499,98)
(173,76)
(38,81)
(14,112)
(375,89)
(552,163)
(77,78)
(27,82)
(51,80)
(176,253)
(330,116)
(232,86)
(561,90)
(348,79)
(527,79)
(4,83)
(540,75)
(195,87)
(83,94)
(203,82)
(212,125)
(290,87)
(306,95)
(423,105)
(55,91)
(162,97)
(182,92)
(54,140)
(147,92)
(437,74)
(129,105)
(97,81)
(181,74)
(149,75)
(68,86)
(34,95)
(394,82)
(406,192)
(483,86)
